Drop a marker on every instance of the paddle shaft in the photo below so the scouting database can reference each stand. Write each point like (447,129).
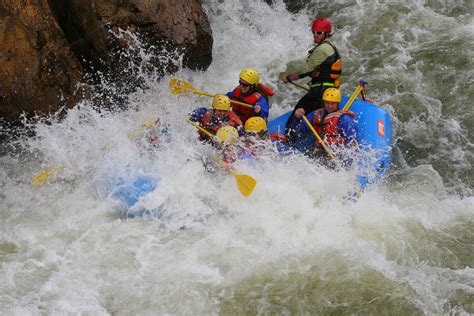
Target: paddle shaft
(245,183)
(299,85)
(351,99)
(183,85)
(205,131)
(203,93)
(354,95)
(231,101)
(319,138)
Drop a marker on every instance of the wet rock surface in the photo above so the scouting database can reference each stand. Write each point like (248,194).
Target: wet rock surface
(48,46)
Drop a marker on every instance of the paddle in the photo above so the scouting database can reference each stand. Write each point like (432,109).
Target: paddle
(299,85)
(354,95)
(245,183)
(182,87)
(326,148)
(44,175)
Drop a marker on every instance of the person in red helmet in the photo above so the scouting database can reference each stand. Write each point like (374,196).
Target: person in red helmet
(323,65)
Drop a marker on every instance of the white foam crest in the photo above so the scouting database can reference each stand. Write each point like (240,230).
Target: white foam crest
(254,34)
(204,240)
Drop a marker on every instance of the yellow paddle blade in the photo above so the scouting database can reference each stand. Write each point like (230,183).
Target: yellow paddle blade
(245,183)
(41,178)
(180,86)
(44,175)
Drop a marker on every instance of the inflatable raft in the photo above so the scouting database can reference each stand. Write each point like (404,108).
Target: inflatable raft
(374,132)
(128,193)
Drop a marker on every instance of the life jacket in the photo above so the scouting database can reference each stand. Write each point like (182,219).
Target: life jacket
(245,112)
(228,156)
(278,137)
(211,123)
(327,126)
(329,71)
(247,153)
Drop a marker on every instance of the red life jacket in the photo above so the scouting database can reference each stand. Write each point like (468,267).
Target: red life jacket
(245,112)
(328,129)
(228,156)
(211,123)
(251,151)
(278,137)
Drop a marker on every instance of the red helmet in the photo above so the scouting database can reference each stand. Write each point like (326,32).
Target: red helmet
(322,25)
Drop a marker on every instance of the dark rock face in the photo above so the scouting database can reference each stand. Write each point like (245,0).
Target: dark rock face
(47,45)
(182,23)
(38,70)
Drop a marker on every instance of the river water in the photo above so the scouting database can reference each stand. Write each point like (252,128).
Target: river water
(294,246)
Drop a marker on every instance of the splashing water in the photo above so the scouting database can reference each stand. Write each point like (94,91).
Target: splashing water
(293,246)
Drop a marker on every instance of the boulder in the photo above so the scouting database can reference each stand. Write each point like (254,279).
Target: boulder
(90,26)
(38,70)
(47,46)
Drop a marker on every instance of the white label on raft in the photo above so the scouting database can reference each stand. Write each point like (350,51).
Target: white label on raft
(380,128)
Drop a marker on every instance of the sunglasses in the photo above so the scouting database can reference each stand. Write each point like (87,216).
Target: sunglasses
(243,84)
(261,134)
(318,33)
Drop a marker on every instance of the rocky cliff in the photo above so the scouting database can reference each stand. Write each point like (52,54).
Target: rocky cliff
(46,47)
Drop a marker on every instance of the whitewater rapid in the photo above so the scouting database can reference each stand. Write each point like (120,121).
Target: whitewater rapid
(294,246)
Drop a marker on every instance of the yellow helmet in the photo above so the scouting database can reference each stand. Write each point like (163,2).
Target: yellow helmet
(221,102)
(255,124)
(332,95)
(250,76)
(228,134)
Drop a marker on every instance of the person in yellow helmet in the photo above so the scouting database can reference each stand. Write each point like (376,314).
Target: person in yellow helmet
(213,119)
(256,138)
(336,127)
(323,65)
(228,138)
(228,135)
(226,143)
(252,92)
(256,126)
